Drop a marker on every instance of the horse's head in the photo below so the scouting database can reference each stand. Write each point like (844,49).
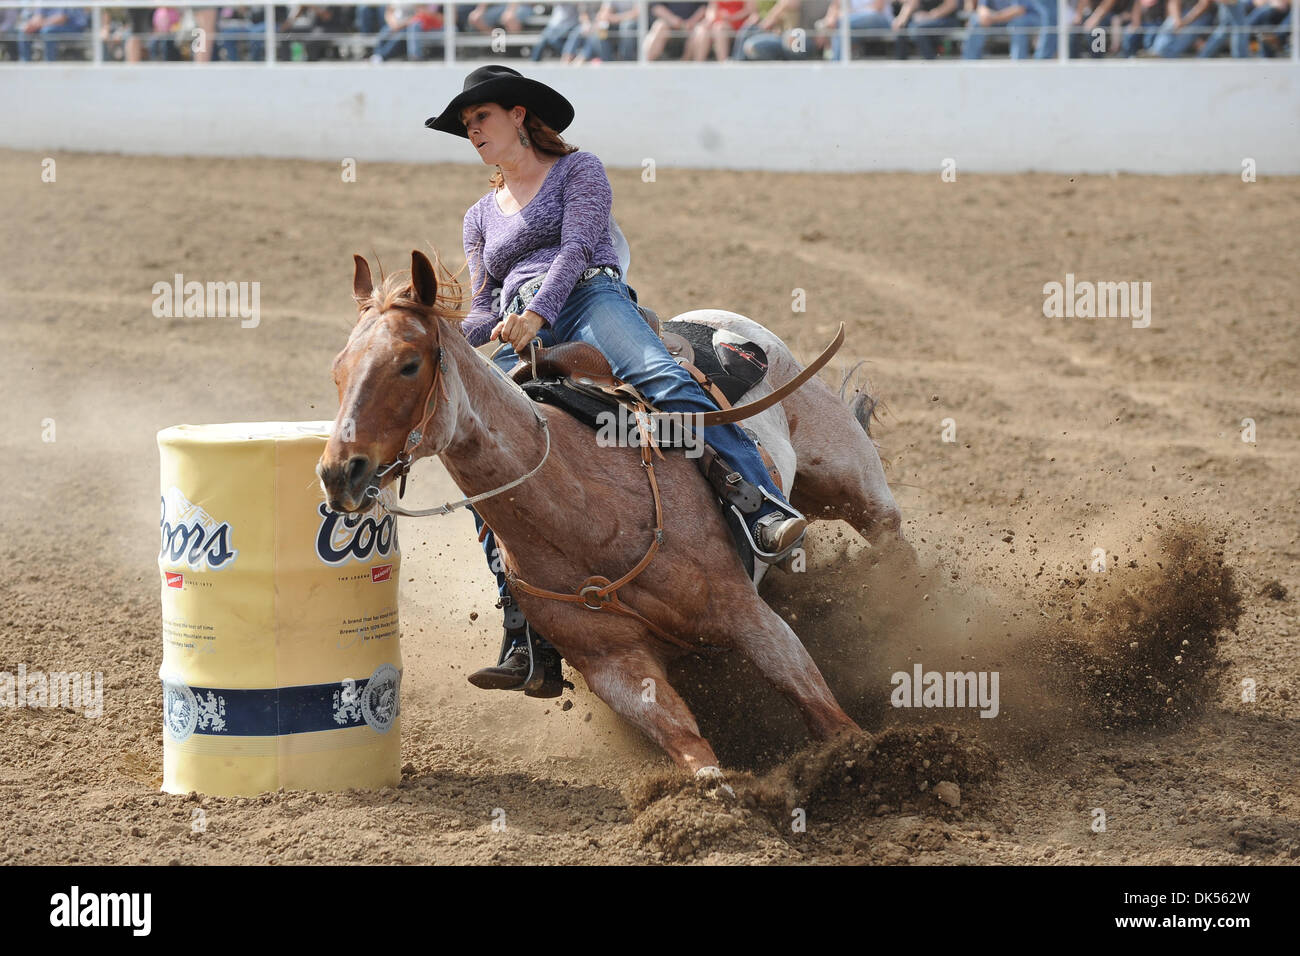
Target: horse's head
(392,379)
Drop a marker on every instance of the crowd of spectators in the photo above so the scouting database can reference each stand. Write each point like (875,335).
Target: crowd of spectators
(724,30)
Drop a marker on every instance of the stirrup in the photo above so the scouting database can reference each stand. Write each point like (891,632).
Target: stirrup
(515,625)
(770,557)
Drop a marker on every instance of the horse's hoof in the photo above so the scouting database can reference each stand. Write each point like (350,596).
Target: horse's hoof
(714,784)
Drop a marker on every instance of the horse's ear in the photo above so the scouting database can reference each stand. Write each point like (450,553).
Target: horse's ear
(424,282)
(363,287)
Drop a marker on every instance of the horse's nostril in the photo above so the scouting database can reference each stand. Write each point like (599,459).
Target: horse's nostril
(357,468)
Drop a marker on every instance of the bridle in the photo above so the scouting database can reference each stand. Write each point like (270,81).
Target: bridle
(401,465)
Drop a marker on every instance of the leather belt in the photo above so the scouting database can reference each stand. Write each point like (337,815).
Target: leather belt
(530,288)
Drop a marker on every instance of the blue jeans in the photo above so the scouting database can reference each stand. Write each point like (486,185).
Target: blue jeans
(752,43)
(1231,19)
(926,34)
(229,42)
(623,34)
(870,20)
(1138,38)
(413,35)
(1171,43)
(552,38)
(972,47)
(1269,17)
(601,312)
(369,19)
(1046,47)
(491,17)
(577,42)
(50,47)
(755,44)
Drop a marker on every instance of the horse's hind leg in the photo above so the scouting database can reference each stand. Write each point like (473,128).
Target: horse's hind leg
(636,687)
(759,633)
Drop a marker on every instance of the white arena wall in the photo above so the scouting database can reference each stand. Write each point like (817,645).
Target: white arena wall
(1130,116)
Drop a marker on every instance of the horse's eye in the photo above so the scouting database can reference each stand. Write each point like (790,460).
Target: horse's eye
(410,368)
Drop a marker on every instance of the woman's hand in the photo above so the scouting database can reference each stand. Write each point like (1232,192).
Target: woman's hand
(518,330)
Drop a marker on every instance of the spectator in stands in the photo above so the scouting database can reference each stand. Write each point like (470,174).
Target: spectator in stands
(564,20)
(1230,19)
(1045,48)
(721,21)
(1143,23)
(368,20)
(425,31)
(1000,16)
(667,19)
(321,23)
(925,22)
(1090,15)
(1274,14)
(581,43)
(205,19)
(397,17)
(140,20)
(773,37)
(1185,21)
(487,17)
(863,15)
(238,21)
(47,22)
(404,24)
(10,17)
(614,21)
(162,41)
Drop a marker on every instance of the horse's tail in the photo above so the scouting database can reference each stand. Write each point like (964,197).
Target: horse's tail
(864,406)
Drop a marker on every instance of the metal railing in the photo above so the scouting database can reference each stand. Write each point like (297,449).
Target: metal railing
(273,42)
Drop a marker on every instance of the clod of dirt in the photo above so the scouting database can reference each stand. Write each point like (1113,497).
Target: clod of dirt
(1273,590)
(948,792)
(846,778)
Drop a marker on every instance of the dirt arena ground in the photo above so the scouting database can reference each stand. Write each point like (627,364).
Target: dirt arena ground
(1121,692)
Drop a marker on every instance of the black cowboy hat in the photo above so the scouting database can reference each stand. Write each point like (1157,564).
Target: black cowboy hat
(500,84)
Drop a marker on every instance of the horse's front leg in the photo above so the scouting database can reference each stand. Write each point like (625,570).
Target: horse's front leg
(761,635)
(634,684)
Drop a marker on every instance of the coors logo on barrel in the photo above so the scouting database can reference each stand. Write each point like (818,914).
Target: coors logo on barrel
(193,537)
(355,537)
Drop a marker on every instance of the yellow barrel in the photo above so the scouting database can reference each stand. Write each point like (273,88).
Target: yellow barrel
(281,665)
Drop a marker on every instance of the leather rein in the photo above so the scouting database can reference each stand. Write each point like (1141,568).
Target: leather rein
(597,593)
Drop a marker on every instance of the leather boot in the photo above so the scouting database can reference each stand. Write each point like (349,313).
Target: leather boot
(527,661)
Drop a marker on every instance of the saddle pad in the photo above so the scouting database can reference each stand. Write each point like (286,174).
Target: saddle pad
(593,411)
(734,367)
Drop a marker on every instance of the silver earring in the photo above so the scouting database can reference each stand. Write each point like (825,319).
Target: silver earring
(523,140)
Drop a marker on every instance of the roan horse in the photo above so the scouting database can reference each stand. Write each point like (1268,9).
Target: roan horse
(587,510)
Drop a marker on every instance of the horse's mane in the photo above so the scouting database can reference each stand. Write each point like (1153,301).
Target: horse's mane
(394,291)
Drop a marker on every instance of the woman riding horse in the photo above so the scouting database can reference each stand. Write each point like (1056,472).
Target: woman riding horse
(543,267)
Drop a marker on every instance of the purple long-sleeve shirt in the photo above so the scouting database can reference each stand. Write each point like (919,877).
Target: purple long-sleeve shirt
(562,231)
